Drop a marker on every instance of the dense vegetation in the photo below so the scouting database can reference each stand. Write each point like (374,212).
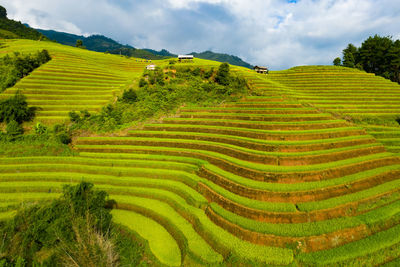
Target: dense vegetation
(161,91)
(10,29)
(16,109)
(15,67)
(73,230)
(379,55)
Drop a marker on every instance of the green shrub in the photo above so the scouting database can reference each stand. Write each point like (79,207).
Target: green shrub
(223,76)
(58,128)
(74,117)
(130,96)
(142,82)
(85,114)
(208,74)
(14,129)
(64,138)
(16,109)
(77,224)
(17,66)
(40,129)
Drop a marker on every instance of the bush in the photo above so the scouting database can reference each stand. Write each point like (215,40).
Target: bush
(85,114)
(142,82)
(62,134)
(64,138)
(208,74)
(17,66)
(57,128)
(40,129)
(74,117)
(129,96)
(77,224)
(223,76)
(16,109)
(14,129)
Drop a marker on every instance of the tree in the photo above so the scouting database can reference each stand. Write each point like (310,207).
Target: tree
(43,56)
(337,61)
(17,66)
(79,43)
(222,76)
(3,12)
(374,54)
(379,55)
(129,96)
(349,56)
(16,109)
(394,55)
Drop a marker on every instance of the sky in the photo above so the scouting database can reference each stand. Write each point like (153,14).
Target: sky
(276,33)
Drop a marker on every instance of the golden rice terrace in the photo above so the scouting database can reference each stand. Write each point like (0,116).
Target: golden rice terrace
(293,174)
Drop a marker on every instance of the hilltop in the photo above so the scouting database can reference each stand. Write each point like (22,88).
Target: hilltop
(231,59)
(11,29)
(101,43)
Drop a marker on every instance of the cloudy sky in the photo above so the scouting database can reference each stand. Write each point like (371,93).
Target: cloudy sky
(276,33)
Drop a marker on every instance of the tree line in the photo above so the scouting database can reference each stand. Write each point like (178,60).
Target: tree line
(11,29)
(379,55)
(16,66)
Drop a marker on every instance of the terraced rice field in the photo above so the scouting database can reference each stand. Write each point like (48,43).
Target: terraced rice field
(346,93)
(75,79)
(269,179)
(341,90)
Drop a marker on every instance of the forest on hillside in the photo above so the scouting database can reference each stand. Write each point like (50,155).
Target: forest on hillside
(11,29)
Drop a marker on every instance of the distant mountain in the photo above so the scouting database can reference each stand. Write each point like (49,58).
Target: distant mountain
(234,60)
(162,52)
(11,29)
(101,43)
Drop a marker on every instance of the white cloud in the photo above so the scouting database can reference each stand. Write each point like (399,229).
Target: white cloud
(187,4)
(271,32)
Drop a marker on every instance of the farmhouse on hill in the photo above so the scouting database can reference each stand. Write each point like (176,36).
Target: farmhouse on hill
(151,67)
(185,57)
(260,69)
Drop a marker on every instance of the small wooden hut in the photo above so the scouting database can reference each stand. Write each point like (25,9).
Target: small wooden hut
(260,69)
(151,67)
(185,58)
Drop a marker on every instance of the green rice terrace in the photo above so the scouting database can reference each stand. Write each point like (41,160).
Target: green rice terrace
(303,171)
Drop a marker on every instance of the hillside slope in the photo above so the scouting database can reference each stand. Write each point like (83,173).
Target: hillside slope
(75,79)
(371,101)
(11,29)
(271,179)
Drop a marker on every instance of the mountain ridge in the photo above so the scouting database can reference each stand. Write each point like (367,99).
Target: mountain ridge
(101,43)
(11,29)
